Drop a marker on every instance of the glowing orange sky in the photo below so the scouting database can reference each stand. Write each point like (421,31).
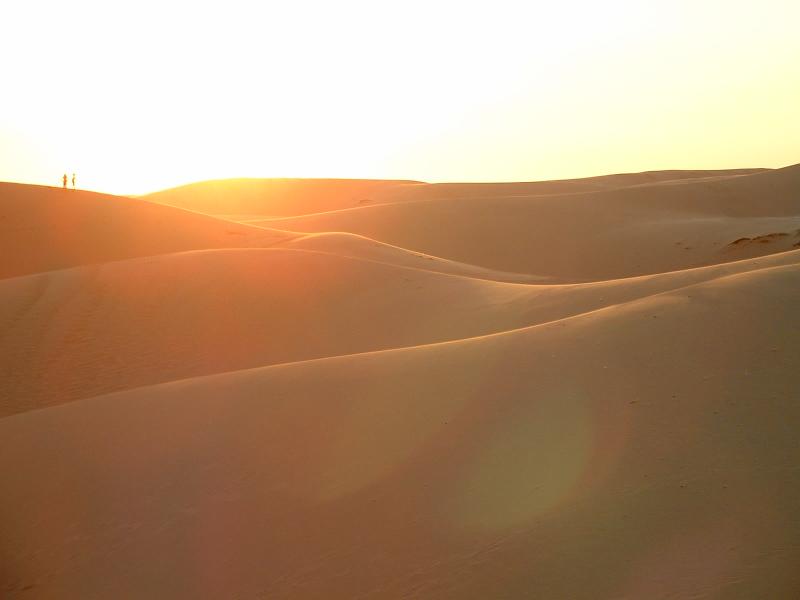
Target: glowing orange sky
(140,96)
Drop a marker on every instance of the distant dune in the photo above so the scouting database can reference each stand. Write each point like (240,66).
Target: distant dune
(582,236)
(293,197)
(583,389)
(276,197)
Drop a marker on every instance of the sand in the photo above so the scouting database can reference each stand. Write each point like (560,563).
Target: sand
(323,411)
(45,228)
(287,197)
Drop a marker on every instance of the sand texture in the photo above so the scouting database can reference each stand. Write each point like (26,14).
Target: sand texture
(344,389)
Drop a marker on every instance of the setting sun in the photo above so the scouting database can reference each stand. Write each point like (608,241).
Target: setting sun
(140,96)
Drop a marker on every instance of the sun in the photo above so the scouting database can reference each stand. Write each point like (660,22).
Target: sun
(133,100)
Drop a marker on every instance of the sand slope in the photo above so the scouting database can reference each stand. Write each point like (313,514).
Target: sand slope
(642,451)
(82,332)
(247,199)
(587,236)
(357,246)
(276,197)
(43,229)
(582,389)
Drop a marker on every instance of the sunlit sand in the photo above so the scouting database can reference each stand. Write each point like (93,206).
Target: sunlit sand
(391,389)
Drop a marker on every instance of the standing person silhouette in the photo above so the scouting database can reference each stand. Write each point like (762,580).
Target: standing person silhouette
(73,181)
(64,179)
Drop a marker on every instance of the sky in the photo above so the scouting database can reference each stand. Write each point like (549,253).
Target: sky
(136,96)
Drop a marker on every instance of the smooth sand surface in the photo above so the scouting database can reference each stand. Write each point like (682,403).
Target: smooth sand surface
(192,413)
(588,235)
(276,197)
(86,331)
(46,228)
(250,199)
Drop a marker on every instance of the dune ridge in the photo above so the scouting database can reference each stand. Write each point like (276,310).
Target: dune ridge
(294,197)
(573,389)
(275,197)
(585,235)
(270,306)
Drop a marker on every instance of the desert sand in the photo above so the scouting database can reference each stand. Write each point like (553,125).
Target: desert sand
(340,389)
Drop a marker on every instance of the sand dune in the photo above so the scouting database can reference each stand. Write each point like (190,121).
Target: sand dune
(250,199)
(584,243)
(276,197)
(563,186)
(43,229)
(358,246)
(585,236)
(615,444)
(82,332)
(570,389)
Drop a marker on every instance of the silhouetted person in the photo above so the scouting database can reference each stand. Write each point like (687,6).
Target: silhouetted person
(73,181)
(64,179)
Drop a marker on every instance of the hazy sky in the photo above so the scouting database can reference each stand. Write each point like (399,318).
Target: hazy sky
(140,95)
